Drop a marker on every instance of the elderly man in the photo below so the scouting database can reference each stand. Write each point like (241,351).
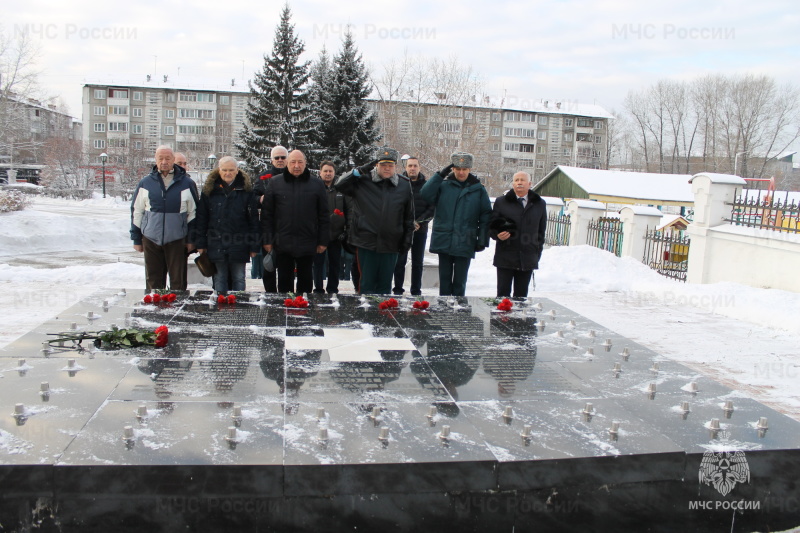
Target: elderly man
(181,161)
(296,223)
(518,224)
(278,156)
(381,218)
(162,215)
(461,224)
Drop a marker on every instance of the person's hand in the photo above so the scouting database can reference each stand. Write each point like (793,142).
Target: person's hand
(138,247)
(253,254)
(190,249)
(416,226)
(479,248)
(321,249)
(201,251)
(366,169)
(504,235)
(268,248)
(445,171)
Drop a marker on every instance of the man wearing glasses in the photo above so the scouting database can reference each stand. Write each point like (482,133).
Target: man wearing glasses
(278,158)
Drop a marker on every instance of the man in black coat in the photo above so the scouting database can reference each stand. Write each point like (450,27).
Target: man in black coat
(278,156)
(333,255)
(423,213)
(296,222)
(518,224)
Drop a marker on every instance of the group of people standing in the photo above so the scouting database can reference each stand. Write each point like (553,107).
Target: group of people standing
(300,223)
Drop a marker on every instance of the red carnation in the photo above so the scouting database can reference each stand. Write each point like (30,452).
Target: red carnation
(170,297)
(338,212)
(147,299)
(221,299)
(392,302)
(266,176)
(156,298)
(425,304)
(505,305)
(288,302)
(231,298)
(162,336)
(383,305)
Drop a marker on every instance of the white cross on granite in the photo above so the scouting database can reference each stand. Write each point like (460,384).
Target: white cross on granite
(349,345)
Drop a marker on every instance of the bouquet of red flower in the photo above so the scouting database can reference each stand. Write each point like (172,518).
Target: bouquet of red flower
(156,297)
(420,304)
(338,212)
(298,302)
(229,299)
(117,338)
(505,305)
(391,303)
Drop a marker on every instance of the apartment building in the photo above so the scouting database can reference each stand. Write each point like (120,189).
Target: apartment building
(131,121)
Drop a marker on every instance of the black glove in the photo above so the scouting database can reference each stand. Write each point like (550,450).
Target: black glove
(445,171)
(366,169)
(479,248)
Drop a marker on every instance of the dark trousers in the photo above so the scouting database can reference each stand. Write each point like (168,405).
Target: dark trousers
(520,278)
(453,272)
(269,279)
(376,271)
(333,254)
(286,267)
(169,258)
(417,259)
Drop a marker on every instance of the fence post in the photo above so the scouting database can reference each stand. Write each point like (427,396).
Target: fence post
(635,220)
(580,213)
(711,192)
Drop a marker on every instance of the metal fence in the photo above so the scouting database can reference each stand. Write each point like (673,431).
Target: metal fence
(557,233)
(755,208)
(606,233)
(667,253)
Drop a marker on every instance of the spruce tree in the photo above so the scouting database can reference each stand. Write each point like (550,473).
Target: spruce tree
(348,131)
(319,96)
(278,109)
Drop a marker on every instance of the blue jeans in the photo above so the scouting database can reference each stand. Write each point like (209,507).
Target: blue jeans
(453,274)
(229,271)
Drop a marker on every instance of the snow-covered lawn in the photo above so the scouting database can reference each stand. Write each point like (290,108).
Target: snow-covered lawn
(58,251)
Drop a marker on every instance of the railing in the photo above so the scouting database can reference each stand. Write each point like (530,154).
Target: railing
(557,233)
(754,208)
(606,233)
(667,253)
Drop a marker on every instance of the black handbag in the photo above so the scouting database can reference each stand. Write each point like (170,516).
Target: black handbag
(205,266)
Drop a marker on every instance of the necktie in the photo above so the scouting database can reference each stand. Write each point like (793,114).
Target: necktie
(521,202)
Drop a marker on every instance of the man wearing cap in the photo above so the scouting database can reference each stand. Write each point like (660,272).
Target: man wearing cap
(461,223)
(518,224)
(380,218)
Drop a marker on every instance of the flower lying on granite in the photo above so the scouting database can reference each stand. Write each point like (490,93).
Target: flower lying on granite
(391,303)
(420,304)
(505,305)
(156,297)
(229,299)
(297,302)
(116,338)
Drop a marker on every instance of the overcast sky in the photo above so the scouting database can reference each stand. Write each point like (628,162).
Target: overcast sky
(589,52)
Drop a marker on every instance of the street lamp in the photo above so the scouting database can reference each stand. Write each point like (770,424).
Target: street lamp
(736,160)
(103,159)
(212,159)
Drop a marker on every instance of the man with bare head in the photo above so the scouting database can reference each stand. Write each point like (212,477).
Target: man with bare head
(162,216)
(296,223)
(181,161)
(278,157)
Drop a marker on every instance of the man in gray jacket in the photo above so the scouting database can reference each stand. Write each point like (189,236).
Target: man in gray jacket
(380,220)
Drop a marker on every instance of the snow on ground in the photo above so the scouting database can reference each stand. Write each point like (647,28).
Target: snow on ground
(59,251)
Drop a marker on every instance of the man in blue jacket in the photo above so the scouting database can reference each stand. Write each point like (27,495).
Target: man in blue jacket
(461,223)
(162,214)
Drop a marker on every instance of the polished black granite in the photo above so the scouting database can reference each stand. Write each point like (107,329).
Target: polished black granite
(342,415)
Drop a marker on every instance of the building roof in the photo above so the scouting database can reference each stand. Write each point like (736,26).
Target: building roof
(630,185)
(178,84)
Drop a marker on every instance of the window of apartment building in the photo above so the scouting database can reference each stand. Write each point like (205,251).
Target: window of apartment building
(543,120)
(118,93)
(526,162)
(137,111)
(567,122)
(223,116)
(169,130)
(196,130)
(555,122)
(513,115)
(170,97)
(419,111)
(509,160)
(527,148)
(596,153)
(598,124)
(540,165)
(117,143)
(169,113)
(153,98)
(568,137)
(152,130)
(117,110)
(137,95)
(136,128)
(152,114)
(495,132)
(567,152)
(206,97)
(455,112)
(449,127)
(583,137)
(99,111)
(99,143)
(468,115)
(495,147)
(584,123)
(118,126)
(527,117)
(496,117)
(187,97)
(540,149)
(555,137)
(224,99)
(99,127)
(100,94)
(223,148)
(598,139)
(511,147)
(542,136)
(137,145)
